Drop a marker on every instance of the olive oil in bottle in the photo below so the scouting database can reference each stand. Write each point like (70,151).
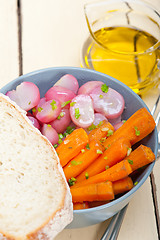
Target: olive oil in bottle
(126,54)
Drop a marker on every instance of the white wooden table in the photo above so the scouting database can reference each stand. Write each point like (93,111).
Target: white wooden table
(36,34)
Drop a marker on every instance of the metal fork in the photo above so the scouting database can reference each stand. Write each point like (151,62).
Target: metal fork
(112,230)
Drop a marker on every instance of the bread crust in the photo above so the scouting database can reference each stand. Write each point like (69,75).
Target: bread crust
(64,214)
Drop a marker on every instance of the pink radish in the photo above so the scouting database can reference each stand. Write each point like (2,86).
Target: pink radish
(115,120)
(26,95)
(64,95)
(98,117)
(118,125)
(108,102)
(88,87)
(68,81)
(62,122)
(49,111)
(81,111)
(35,109)
(34,122)
(50,133)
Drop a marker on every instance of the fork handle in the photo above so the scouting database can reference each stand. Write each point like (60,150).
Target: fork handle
(113,228)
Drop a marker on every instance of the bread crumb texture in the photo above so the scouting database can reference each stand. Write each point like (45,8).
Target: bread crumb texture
(35,202)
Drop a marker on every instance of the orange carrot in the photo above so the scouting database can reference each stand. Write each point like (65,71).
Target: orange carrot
(110,157)
(78,206)
(83,159)
(122,185)
(93,192)
(116,172)
(72,145)
(140,157)
(138,126)
(101,131)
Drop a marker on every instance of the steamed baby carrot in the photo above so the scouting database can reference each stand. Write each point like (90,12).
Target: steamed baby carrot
(72,145)
(83,159)
(116,172)
(78,206)
(138,126)
(101,131)
(110,157)
(122,185)
(140,157)
(93,192)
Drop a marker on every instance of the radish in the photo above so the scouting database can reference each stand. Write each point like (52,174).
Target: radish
(50,133)
(34,121)
(81,111)
(68,81)
(64,95)
(88,87)
(107,101)
(49,111)
(62,122)
(26,95)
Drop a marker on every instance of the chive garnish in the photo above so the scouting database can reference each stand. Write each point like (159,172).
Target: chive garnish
(137,131)
(110,132)
(77,114)
(65,103)
(86,175)
(87,146)
(40,109)
(130,161)
(104,88)
(34,109)
(72,181)
(72,104)
(53,104)
(75,163)
(99,151)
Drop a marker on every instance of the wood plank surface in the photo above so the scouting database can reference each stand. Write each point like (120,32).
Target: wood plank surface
(52,35)
(9,63)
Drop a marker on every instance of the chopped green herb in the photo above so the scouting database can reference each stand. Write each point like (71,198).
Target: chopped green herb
(61,114)
(104,88)
(91,127)
(53,104)
(86,175)
(129,151)
(82,150)
(55,145)
(130,161)
(107,146)
(104,129)
(72,104)
(75,163)
(70,129)
(102,140)
(29,103)
(110,132)
(99,151)
(34,109)
(87,146)
(100,124)
(59,117)
(106,167)
(77,114)
(137,131)
(72,181)
(49,125)
(60,136)
(60,141)
(40,109)
(105,157)
(65,103)
(100,96)
(135,183)
(123,121)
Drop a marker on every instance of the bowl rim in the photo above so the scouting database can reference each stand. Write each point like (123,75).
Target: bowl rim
(149,168)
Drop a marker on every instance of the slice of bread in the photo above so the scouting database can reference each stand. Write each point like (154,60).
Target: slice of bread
(35,200)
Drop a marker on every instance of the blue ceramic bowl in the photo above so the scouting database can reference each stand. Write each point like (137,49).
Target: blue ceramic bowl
(45,79)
